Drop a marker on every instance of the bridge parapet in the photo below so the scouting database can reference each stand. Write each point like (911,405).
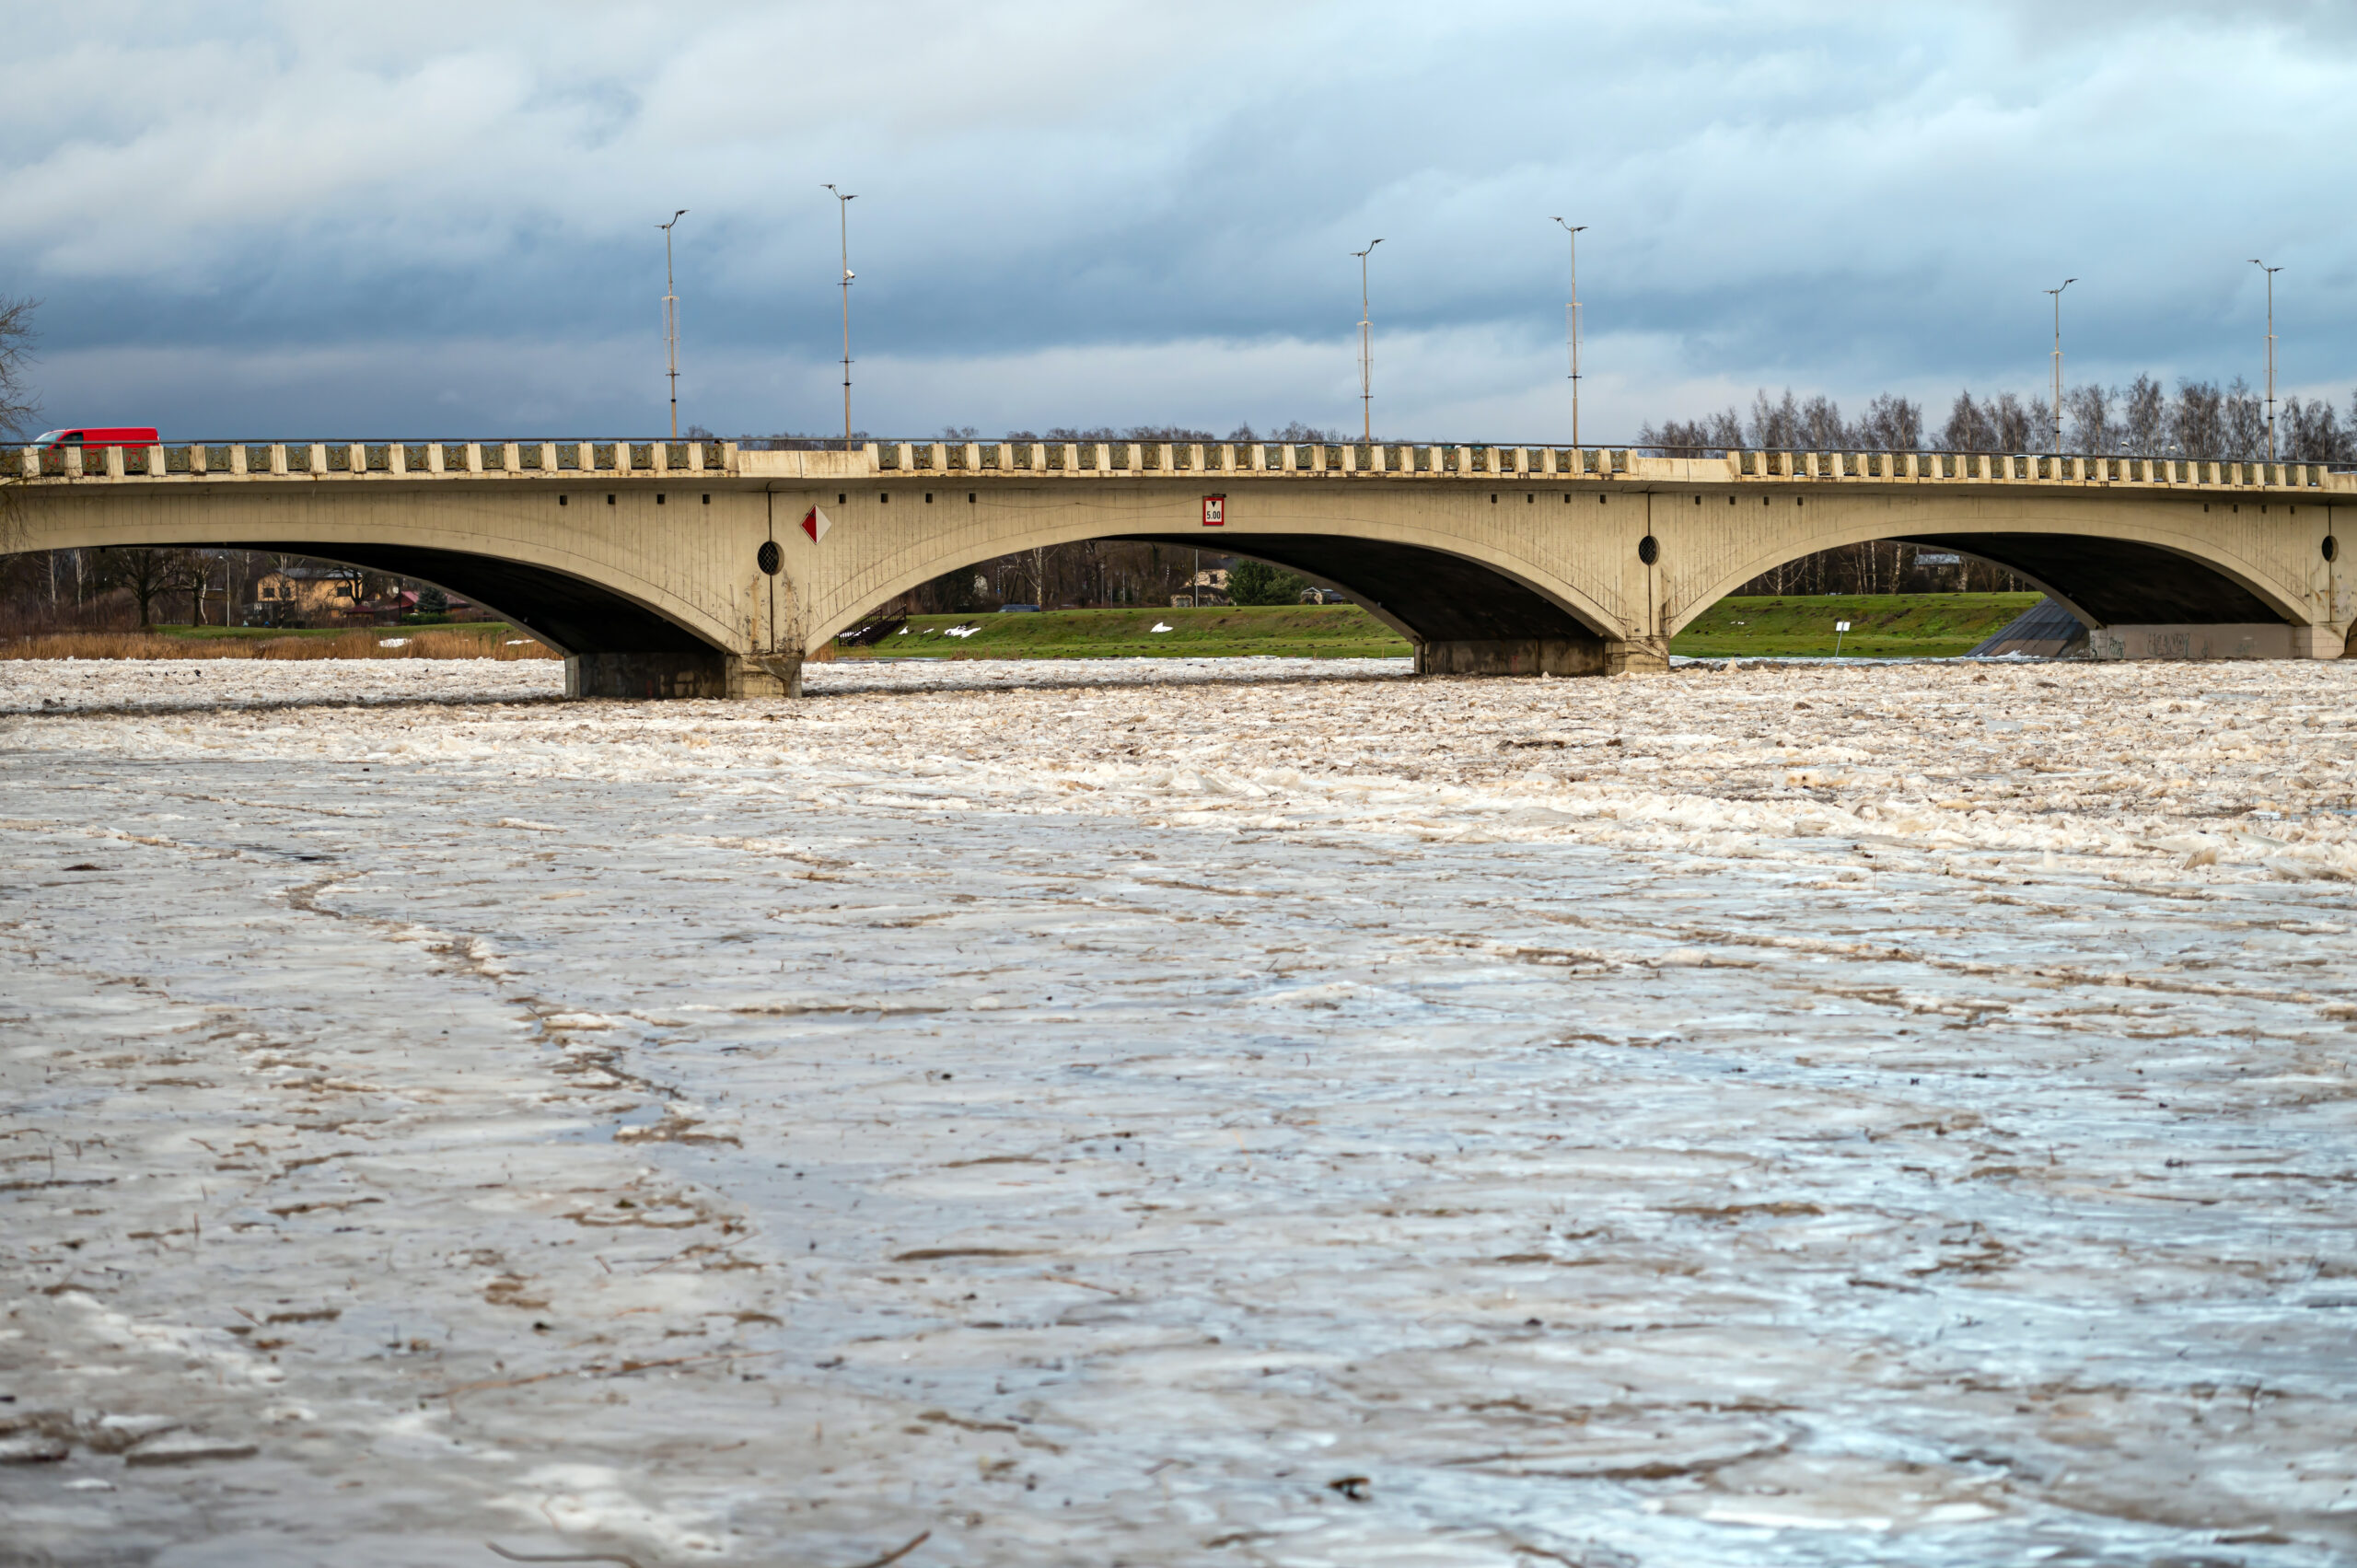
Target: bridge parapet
(623,459)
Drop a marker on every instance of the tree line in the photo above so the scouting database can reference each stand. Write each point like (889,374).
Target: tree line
(2201,420)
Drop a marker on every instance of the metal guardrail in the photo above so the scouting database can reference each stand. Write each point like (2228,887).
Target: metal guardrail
(619,457)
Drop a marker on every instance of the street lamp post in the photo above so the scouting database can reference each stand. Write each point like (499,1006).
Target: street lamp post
(671,321)
(1571,321)
(2271,273)
(2057,294)
(842,211)
(1366,348)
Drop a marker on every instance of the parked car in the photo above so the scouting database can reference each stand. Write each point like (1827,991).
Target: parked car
(99,435)
(1018,609)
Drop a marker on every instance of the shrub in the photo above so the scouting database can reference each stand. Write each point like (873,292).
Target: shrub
(1257,582)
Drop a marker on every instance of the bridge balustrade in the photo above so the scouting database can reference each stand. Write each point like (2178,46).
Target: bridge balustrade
(1132,458)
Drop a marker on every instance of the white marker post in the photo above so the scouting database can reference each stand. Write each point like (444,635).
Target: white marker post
(1841,630)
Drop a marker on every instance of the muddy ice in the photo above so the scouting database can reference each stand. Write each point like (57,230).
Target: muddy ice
(1104,1114)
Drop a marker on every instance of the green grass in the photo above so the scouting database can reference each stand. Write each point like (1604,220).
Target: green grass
(1286,630)
(1881,625)
(480,628)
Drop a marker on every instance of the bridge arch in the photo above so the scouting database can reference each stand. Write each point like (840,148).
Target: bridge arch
(2142,568)
(623,633)
(1462,600)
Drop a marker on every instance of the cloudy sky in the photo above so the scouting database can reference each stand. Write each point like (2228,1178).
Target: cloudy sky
(440,219)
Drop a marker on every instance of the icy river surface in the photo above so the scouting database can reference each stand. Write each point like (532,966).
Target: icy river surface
(1163,1111)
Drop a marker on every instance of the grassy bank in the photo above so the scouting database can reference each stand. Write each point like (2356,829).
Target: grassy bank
(471,642)
(1881,625)
(1288,631)
(498,628)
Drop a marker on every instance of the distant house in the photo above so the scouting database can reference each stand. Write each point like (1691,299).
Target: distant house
(308,592)
(1207,588)
(300,592)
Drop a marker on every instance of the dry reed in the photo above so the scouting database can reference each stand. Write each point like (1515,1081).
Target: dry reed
(385,642)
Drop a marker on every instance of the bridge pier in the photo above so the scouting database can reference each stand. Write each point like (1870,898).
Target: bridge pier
(706,673)
(1538,656)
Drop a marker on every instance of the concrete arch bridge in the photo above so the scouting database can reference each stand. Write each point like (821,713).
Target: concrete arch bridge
(697,569)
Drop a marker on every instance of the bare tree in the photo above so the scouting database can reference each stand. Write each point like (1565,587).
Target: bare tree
(2144,419)
(1776,427)
(2089,408)
(196,575)
(146,573)
(2246,420)
(2197,423)
(2011,424)
(17,405)
(1969,428)
(1713,432)
(1891,424)
(2313,433)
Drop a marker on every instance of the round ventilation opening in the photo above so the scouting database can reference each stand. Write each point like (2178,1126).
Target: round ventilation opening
(1649,549)
(771,557)
(2331,547)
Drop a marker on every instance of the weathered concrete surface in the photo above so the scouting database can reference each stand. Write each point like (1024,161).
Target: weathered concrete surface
(699,570)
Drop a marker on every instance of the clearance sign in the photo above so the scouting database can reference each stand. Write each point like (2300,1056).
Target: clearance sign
(1215,511)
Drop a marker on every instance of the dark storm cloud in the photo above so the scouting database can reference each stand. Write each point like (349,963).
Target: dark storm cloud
(1068,211)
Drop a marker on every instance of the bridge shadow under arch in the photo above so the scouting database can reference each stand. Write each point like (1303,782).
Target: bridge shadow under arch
(1427,596)
(570,614)
(2115,582)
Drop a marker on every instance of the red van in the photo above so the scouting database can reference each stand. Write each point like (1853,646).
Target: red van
(98,435)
